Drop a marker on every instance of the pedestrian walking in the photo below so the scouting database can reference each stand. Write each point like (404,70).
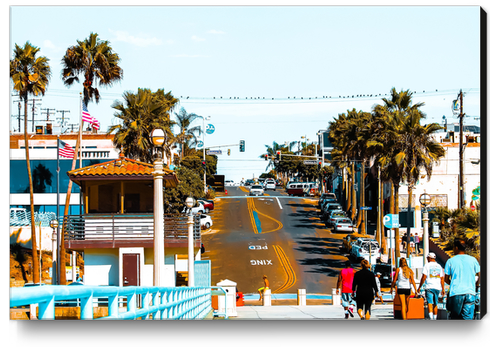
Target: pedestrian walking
(344,286)
(262,289)
(462,273)
(433,277)
(417,244)
(403,279)
(364,287)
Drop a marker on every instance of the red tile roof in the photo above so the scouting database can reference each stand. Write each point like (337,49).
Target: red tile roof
(121,169)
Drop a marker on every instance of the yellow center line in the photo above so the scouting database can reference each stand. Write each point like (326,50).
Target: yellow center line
(290,274)
(252,206)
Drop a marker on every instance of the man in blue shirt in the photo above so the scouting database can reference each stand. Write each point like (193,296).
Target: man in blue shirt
(462,273)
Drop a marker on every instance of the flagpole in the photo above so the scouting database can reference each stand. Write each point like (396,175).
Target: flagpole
(58,255)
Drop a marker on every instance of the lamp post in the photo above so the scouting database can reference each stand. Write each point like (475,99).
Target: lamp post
(189,202)
(158,138)
(425,200)
(54,225)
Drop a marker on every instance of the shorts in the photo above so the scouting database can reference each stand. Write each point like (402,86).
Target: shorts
(403,291)
(432,296)
(346,299)
(263,288)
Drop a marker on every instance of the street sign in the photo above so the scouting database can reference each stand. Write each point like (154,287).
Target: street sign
(200,144)
(391,221)
(310,162)
(210,129)
(366,208)
(214,152)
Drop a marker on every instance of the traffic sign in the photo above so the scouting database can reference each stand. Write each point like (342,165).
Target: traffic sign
(310,162)
(214,152)
(391,221)
(210,129)
(366,208)
(200,144)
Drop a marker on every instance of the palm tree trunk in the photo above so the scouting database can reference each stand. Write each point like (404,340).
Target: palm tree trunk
(409,219)
(35,260)
(362,220)
(353,195)
(396,211)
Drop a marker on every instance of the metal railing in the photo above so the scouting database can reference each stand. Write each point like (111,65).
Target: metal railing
(22,217)
(157,303)
(126,227)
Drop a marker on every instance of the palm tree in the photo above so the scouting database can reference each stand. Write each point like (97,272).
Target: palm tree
(93,59)
(140,113)
(416,153)
(187,133)
(30,76)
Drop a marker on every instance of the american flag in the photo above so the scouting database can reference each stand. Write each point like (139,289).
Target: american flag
(96,124)
(86,117)
(65,150)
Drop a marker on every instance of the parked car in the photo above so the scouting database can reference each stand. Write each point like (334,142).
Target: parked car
(331,207)
(343,225)
(385,271)
(206,221)
(360,249)
(332,216)
(325,202)
(197,209)
(208,205)
(325,196)
(270,185)
(256,189)
(347,243)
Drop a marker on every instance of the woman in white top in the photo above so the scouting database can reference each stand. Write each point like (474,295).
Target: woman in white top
(403,278)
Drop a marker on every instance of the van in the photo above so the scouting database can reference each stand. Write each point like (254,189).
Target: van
(301,188)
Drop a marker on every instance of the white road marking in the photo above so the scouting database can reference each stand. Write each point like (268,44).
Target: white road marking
(280,206)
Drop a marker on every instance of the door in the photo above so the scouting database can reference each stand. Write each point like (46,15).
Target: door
(131,269)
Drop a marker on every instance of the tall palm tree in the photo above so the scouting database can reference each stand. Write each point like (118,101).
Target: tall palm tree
(30,76)
(416,153)
(187,133)
(140,113)
(93,59)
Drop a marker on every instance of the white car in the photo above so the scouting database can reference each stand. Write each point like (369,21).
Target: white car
(270,185)
(197,209)
(206,221)
(256,189)
(360,249)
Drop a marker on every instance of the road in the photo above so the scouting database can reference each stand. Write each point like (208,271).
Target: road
(274,235)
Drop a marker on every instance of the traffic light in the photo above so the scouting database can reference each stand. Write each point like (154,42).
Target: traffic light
(266,157)
(229,151)
(204,164)
(279,155)
(242,145)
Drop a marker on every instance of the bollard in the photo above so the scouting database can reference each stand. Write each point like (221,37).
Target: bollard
(230,297)
(266,298)
(301,297)
(335,297)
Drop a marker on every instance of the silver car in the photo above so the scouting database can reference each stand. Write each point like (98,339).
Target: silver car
(256,189)
(343,225)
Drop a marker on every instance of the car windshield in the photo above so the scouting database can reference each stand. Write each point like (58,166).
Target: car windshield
(256,187)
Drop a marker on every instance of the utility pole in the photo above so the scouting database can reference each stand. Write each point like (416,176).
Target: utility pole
(33,111)
(62,123)
(461,152)
(47,112)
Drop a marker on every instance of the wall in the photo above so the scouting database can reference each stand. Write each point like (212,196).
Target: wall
(101,267)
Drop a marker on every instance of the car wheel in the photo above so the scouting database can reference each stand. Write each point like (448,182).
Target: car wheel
(206,210)
(207,226)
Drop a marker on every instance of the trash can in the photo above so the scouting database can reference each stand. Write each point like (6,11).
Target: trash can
(228,300)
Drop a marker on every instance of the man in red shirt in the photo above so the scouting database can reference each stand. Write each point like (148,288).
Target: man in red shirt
(344,285)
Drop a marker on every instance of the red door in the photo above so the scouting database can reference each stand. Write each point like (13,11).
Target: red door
(131,269)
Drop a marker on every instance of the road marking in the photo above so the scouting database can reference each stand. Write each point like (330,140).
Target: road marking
(291,276)
(256,224)
(279,203)
(261,262)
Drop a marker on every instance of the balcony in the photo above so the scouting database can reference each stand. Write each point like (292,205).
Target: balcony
(126,230)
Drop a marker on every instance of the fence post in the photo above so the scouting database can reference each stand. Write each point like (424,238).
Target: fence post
(87,307)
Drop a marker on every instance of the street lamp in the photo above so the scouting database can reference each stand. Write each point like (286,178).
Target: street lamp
(158,138)
(189,202)
(425,200)
(54,225)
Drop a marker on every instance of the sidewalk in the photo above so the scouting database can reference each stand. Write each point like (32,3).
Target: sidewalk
(323,311)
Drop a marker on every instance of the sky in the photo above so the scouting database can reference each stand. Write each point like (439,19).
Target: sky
(264,74)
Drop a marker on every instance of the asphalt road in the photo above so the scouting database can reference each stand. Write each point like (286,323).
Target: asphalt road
(274,235)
